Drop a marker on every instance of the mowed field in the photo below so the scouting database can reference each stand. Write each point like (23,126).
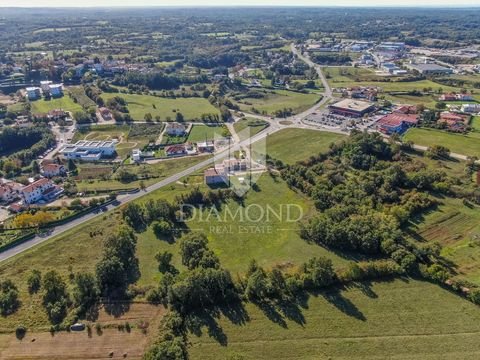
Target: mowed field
(254,126)
(43,106)
(96,345)
(461,144)
(139,105)
(278,100)
(292,145)
(401,319)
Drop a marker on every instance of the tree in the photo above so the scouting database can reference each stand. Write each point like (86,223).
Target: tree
(34,281)
(35,167)
(164,259)
(55,296)
(134,215)
(85,292)
(71,165)
(162,228)
(9,302)
(194,252)
(179,117)
(148,117)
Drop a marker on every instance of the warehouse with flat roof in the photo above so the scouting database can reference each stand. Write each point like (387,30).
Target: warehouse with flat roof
(352,107)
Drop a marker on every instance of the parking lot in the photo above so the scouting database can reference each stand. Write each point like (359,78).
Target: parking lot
(328,119)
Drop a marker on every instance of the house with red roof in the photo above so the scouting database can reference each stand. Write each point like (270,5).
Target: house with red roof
(175,150)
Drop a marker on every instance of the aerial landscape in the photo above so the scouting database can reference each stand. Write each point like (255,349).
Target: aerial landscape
(239,182)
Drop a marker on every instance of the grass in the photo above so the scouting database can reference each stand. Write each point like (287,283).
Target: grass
(461,144)
(292,145)
(139,105)
(200,133)
(254,126)
(402,319)
(475,123)
(43,106)
(275,100)
(82,99)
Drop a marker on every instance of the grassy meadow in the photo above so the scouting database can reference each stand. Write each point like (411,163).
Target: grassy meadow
(65,102)
(139,105)
(200,133)
(292,145)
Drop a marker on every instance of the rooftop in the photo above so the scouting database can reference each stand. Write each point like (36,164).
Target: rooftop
(351,104)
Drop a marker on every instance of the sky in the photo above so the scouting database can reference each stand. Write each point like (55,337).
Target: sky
(196,3)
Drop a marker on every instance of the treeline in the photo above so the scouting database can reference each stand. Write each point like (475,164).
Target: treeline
(331,59)
(157,80)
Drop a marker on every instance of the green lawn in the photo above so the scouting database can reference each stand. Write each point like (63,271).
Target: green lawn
(292,145)
(254,126)
(475,123)
(43,106)
(279,100)
(461,144)
(402,319)
(139,105)
(204,132)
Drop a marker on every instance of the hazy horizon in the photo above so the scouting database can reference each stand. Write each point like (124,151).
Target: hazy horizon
(236,3)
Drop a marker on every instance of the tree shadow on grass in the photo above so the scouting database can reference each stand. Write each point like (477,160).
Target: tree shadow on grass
(335,297)
(207,319)
(116,308)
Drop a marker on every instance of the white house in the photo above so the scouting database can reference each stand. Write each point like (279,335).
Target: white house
(34,93)
(470,108)
(56,90)
(88,150)
(9,191)
(215,176)
(51,170)
(42,189)
(45,85)
(175,129)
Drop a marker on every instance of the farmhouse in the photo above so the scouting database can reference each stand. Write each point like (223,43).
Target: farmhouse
(42,189)
(88,150)
(175,129)
(350,107)
(51,170)
(396,123)
(214,176)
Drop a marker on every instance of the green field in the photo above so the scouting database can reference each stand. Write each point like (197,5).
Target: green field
(254,126)
(200,133)
(457,228)
(475,123)
(278,100)
(461,144)
(292,145)
(43,106)
(139,105)
(402,319)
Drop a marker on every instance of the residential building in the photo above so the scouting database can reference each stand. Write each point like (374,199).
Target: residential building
(9,191)
(471,108)
(42,189)
(206,146)
(230,165)
(34,93)
(45,85)
(136,155)
(350,107)
(88,150)
(215,176)
(105,113)
(455,97)
(175,129)
(56,90)
(175,150)
(396,123)
(57,114)
(52,169)
(455,122)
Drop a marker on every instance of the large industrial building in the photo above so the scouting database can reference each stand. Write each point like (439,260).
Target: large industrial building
(88,150)
(430,69)
(351,107)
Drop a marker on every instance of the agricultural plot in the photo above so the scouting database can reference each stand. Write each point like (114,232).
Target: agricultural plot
(166,108)
(280,145)
(468,144)
(78,93)
(404,319)
(275,100)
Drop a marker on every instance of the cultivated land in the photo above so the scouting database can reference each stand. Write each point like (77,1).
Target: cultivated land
(292,145)
(139,105)
(200,133)
(402,319)
(43,106)
(461,144)
(275,100)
